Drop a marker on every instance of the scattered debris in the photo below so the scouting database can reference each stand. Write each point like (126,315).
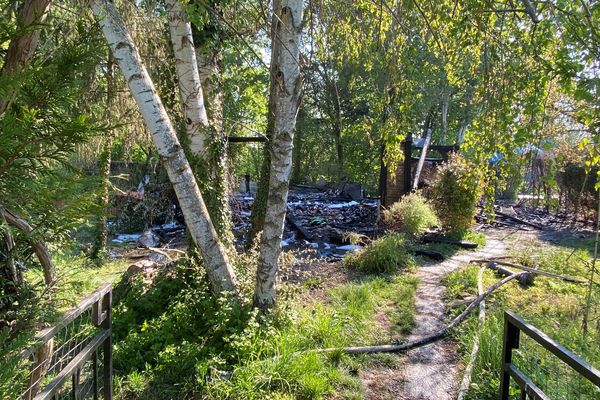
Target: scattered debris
(440,239)
(316,218)
(127,238)
(149,239)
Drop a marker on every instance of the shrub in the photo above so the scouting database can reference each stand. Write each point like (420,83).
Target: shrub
(456,189)
(384,255)
(412,215)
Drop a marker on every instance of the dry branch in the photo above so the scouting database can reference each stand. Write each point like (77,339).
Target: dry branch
(466,381)
(37,244)
(520,220)
(532,270)
(428,339)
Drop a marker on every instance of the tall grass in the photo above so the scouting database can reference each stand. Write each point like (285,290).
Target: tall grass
(553,306)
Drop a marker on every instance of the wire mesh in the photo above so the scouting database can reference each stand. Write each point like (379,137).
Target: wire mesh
(555,378)
(50,358)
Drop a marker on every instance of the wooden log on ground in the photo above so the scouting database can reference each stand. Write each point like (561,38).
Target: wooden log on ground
(434,255)
(532,270)
(466,381)
(460,243)
(301,230)
(519,220)
(526,279)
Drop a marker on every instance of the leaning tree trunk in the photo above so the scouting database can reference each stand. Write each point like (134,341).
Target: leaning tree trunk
(218,268)
(37,244)
(288,89)
(20,50)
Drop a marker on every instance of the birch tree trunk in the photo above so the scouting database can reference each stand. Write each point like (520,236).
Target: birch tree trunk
(190,90)
(218,268)
(22,48)
(217,192)
(288,88)
(259,207)
(207,143)
(445,101)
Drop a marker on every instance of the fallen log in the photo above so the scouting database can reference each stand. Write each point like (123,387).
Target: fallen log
(526,279)
(519,220)
(434,255)
(460,243)
(532,270)
(425,340)
(461,302)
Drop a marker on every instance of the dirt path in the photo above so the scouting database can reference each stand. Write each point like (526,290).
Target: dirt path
(432,371)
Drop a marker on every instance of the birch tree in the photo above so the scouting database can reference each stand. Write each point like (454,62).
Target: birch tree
(218,268)
(286,76)
(192,98)
(207,143)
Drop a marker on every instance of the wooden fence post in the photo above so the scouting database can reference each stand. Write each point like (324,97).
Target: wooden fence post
(510,342)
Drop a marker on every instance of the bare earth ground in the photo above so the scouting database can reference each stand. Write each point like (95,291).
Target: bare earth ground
(430,372)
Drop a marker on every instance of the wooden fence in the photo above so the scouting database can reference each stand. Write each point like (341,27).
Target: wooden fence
(561,375)
(73,359)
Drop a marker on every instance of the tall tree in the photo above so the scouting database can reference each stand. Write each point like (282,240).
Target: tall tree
(21,48)
(287,78)
(104,162)
(196,72)
(218,268)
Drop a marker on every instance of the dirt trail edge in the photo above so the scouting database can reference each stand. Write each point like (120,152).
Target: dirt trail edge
(431,372)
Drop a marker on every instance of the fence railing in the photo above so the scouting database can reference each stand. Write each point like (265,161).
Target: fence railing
(77,349)
(585,385)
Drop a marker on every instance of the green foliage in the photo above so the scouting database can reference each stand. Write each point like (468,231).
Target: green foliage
(173,339)
(12,364)
(384,255)
(412,215)
(553,306)
(455,192)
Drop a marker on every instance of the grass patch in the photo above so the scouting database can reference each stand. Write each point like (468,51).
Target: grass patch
(174,340)
(387,254)
(551,305)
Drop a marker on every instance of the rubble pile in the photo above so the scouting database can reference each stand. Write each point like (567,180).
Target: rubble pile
(317,219)
(524,216)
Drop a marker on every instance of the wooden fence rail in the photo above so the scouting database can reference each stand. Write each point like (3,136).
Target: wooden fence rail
(77,349)
(514,326)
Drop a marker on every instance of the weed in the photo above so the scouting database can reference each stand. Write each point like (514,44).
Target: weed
(384,255)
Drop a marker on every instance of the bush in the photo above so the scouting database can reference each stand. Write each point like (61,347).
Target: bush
(384,255)
(456,189)
(412,215)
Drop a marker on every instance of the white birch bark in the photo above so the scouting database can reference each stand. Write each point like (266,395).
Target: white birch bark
(218,268)
(190,89)
(288,86)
